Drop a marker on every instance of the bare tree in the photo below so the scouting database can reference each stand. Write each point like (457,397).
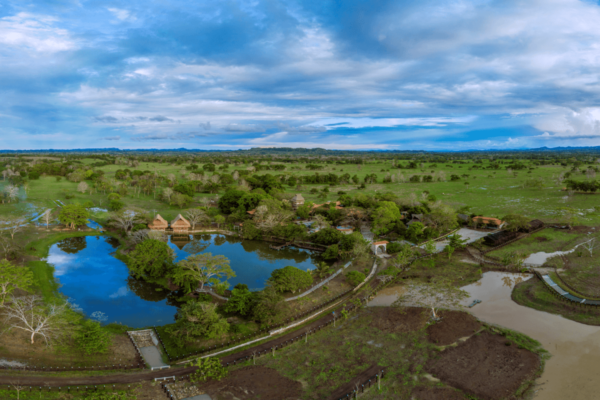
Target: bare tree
(12,224)
(12,192)
(17,388)
(82,187)
(29,314)
(205,201)
(589,245)
(439,293)
(125,220)
(195,216)
(167,193)
(320,221)
(236,175)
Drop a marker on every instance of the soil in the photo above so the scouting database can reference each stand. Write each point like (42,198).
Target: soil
(485,367)
(436,393)
(541,239)
(398,319)
(453,326)
(254,382)
(367,374)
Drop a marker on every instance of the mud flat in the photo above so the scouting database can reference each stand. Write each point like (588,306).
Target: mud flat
(571,373)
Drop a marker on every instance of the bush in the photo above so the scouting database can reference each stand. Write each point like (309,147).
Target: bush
(92,338)
(290,279)
(331,253)
(115,205)
(34,175)
(114,196)
(69,196)
(355,278)
(139,227)
(393,247)
(88,204)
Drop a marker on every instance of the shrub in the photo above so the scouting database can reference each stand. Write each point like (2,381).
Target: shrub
(115,205)
(355,278)
(290,279)
(139,227)
(393,247)
(92,338)
(114,196)
(331,253)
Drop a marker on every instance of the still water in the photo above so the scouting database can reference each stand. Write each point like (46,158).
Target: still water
(100,285)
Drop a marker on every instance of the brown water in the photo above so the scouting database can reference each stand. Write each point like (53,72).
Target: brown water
(572,372)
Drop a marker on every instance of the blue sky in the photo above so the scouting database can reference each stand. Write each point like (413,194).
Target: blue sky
(226,74)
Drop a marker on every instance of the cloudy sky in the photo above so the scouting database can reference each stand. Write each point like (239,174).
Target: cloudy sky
(229,74)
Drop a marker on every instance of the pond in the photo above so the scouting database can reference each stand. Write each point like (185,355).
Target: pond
(100,285)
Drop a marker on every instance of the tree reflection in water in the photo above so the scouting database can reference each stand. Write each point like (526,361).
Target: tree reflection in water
(146,290)
(73,245)
(196,246)
(512,280)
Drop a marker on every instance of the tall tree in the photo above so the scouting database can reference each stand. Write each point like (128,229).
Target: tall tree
(28,313)
(73,215)
(201,269)
(151,257)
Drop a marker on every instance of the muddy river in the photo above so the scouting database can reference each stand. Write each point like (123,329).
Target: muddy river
(572,372)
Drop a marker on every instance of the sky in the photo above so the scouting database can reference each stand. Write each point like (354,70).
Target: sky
(350,75)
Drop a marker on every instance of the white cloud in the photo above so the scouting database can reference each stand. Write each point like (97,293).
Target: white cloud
(35,33)
(121,292)
(122,14)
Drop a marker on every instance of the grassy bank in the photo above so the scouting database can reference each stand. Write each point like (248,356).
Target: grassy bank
(532,293)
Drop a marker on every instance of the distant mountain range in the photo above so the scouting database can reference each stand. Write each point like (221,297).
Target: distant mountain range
(289,150)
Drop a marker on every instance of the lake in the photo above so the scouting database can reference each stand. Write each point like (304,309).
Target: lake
(100,285)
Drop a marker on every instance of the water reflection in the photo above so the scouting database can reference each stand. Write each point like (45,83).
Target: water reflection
(252,260)
(72,245)
(101,287)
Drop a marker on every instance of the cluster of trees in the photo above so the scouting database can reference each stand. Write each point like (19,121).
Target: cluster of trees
(583,186)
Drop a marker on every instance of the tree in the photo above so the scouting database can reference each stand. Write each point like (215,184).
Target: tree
(320,222)
(47,216)
(13,224)
(219,219)
(167,193)
(589,245)
(355,278)
(82,187)
(516,222)
(290,279)
(241,301)
(125,220)
(199,319)
(450,250)
(414,231)
(73,215)
(230,201)
(385,217)
(323,269)
(92,339)
(439,293)
(208,368)
(13,277)
(12,192)
(201,269)
(515,258)
(442,217)
(151,257)
(270,307)
(28,314)
(195,216)
(457,241)
(332,252)
(402,258)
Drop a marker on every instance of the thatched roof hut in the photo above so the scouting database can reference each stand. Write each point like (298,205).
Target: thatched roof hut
(180,224)
(158,224)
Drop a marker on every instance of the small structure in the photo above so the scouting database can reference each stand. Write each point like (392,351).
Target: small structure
(346,230)
(498,238)
(377,246)
(489,222)
(533,225)
(158,224)
(180,224)
(297,201)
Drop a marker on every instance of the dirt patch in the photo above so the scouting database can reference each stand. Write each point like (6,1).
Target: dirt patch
(541,239)
(485,367)
(453,326)
(254,382)
(435,393)
(398,319)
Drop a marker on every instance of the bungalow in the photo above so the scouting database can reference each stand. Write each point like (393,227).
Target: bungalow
(180,224)
(158,224)
(493,223)
(297,201)
(376,246)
